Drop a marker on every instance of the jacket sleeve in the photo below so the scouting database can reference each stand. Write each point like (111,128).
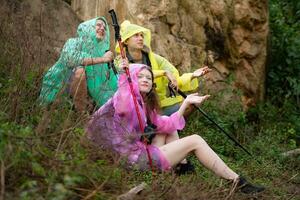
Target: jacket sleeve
(168,124)
(185,81)
(123,102)
(72,55)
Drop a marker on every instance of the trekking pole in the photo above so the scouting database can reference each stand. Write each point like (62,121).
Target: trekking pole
(112,66)
(118,38)
(217,125)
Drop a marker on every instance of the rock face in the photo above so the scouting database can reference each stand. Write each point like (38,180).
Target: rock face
(32,33)
(37,29)
(233,32)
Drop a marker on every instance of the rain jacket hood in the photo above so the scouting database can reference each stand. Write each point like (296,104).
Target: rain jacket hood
(87,32)
(134,70)
(128,29)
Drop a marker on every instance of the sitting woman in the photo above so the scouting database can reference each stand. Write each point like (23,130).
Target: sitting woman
(115,126)
(82,70)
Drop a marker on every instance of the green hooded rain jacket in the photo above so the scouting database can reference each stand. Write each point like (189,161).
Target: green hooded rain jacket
(101,81)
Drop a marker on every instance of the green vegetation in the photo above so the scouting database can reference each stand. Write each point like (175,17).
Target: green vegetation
(44,156)
(284,60)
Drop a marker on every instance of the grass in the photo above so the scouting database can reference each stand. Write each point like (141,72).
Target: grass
(58,164)
(43,154)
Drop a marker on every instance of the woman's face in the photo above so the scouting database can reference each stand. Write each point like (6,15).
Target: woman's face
(136,41)
(100,29)
(145,81)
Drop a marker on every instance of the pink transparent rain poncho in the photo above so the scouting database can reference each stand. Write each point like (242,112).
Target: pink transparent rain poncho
(115,126)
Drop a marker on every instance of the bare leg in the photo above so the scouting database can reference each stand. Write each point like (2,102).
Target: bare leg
(179,149)
(159,140)
(172,137)
(78,90)
(162,139)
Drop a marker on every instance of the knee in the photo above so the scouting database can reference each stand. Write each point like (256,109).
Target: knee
(79,73)
(198,139)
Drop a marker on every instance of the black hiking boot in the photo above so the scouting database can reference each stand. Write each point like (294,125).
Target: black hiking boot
(248,188)
(184,168)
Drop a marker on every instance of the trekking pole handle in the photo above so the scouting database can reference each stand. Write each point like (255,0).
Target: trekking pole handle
(115,23)
(117,32)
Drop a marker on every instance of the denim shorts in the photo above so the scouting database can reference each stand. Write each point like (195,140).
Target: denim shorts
(169,110)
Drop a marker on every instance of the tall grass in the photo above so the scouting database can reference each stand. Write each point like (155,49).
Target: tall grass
(43,154)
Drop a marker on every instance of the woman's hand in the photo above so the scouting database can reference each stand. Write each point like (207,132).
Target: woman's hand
(172,79)
(108,56)
(200,72)
(124,63)
(192,99)
(195,99)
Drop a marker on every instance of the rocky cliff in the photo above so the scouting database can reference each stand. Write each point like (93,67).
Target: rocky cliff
(35,30)
(229,35)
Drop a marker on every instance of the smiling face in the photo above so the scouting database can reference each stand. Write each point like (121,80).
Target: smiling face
(136,41)
(100,29)
(145,81)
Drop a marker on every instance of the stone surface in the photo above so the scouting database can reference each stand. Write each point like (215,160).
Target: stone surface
(38,28)
(183,31)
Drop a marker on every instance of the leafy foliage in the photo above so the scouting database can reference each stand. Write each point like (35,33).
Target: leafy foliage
(284,65)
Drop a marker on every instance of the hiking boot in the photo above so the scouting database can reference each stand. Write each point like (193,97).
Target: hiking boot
(184,168)
(248,188)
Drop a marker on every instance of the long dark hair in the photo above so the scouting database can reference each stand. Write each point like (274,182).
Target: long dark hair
(151,98)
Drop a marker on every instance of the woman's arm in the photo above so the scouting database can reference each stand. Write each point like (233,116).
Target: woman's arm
(168,124)
(107,57)
(185,82)
(166,69)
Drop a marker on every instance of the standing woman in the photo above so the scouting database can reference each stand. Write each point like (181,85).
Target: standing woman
(115,126)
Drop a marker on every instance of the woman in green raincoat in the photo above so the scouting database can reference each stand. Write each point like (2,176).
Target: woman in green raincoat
(82,67)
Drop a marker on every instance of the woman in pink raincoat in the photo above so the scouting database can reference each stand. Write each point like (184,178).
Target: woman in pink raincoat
(115,126)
